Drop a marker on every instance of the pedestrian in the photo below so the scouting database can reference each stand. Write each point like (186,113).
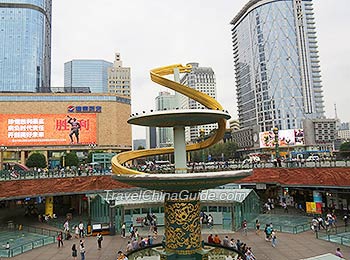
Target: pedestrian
(273,238)
(60,239)
(123,230)
(285,207)
(339,253)
(76,231)
(82,251)
(210,221)
(66,229)
(74,252)
(257,226)
(131,231)
(99,240)
(245,227)
(268,231)
(81,229)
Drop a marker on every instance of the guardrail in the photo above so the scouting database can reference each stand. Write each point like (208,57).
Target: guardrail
(336,234)
(286,228)
(6,175)
(20,249)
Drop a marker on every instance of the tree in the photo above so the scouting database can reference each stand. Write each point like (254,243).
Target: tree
(36,160)
(70,159)
(344,150)
(140,147)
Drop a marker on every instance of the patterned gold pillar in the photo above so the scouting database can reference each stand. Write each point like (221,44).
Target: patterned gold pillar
(182,227)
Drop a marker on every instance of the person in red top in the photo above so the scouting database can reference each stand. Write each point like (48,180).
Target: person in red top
(217,240)
(210,239)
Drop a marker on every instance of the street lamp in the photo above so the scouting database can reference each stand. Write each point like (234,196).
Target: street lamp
(2,149)
(275,131)
(202,134)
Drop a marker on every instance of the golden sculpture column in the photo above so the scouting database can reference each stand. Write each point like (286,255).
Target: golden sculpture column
(182,227)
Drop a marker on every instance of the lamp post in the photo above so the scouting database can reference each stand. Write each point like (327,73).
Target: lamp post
(277,152)
(202,134)
(2,149)
(92,147)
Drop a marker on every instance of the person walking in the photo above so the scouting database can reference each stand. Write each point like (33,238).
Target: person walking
(82,251)
(81,229)
(257,227)
(60,239)
(123,230)
(273,238)
(99,240)
(74,252)
(245,227)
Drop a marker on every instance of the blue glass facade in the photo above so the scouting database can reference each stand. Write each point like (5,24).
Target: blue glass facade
(91,74)
(25,50)
(276,64)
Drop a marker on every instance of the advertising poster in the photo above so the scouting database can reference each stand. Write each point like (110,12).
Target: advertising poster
(47,129)
(290,137)
(314,207)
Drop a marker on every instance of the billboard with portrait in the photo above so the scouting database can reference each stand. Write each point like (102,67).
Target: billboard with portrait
(290,137)
(47,129)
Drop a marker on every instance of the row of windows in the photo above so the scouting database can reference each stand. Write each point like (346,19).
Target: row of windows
(119,87)
(119,82)
(63,98)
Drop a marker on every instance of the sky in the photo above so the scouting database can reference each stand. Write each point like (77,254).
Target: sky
(151,34)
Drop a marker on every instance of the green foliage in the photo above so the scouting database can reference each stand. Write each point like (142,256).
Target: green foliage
(70,159)
(36,160)
(216,151)
(140,147)
(344,150)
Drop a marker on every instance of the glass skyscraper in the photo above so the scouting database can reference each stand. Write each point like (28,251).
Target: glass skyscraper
(25,49)
(276,64)
(86,76)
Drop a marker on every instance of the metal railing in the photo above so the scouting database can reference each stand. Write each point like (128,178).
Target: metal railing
(6,175)
(16,250)
(335,234)
(293,229)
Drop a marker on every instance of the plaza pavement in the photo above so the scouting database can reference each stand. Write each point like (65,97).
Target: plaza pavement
(289,246)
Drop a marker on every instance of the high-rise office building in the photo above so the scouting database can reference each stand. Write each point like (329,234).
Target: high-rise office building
(25,49)
(119,78)
(165,136)
(86,76)
(203,80)
(277,64)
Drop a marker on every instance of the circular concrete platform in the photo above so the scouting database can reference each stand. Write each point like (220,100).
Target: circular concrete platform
(183,117)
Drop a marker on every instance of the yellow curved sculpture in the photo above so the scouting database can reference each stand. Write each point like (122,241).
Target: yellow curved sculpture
(209,102)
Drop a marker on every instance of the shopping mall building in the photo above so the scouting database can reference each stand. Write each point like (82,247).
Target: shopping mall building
(40,122)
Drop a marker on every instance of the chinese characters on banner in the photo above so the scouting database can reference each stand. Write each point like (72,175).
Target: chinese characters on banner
(45,129)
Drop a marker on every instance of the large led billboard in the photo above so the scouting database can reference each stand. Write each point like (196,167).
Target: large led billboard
(47,129)
(290,137)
